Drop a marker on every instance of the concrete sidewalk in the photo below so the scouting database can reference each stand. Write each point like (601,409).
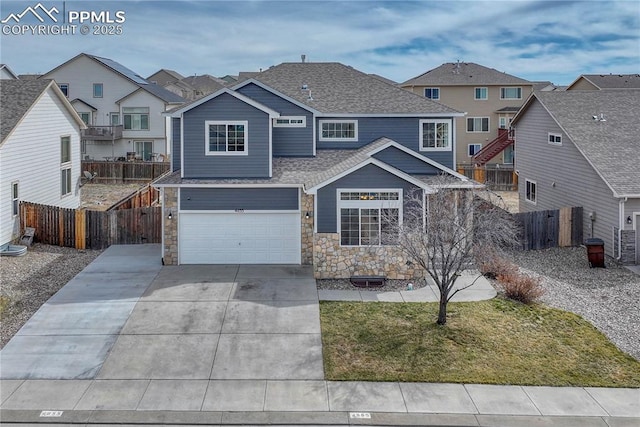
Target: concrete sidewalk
(128,341)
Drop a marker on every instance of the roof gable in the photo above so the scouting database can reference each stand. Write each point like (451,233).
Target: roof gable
(610,146)
(177,112)
(464,74)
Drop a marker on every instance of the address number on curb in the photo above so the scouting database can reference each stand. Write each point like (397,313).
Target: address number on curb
(51,413)
(360,415)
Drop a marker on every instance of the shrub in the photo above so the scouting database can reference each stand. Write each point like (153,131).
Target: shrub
(520,287)
(491,265)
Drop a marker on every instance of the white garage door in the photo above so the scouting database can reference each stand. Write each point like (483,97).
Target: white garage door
(239,238)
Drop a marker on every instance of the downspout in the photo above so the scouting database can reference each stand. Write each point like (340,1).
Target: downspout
(621,203)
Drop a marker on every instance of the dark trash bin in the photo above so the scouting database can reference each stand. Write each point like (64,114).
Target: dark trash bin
(595,252)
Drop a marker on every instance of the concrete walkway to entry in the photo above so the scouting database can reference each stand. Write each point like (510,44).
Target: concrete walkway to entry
(129,341)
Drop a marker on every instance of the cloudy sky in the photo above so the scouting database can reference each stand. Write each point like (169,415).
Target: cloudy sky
(535,40)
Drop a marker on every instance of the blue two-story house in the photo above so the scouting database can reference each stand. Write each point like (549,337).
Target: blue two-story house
(299,165)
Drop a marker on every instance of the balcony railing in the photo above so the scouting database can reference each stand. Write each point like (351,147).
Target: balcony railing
(102,133)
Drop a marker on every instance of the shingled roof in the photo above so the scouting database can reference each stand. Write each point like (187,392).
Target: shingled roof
(611,81)
(334,88)
(16,98)
(610,146)
(464,74)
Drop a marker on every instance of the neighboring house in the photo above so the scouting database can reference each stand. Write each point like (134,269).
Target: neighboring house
(229,78)
(489,97)
(163,77)
(122,110)
(299,165)
(605,82)
(39,150)
(580,148)
(6,73)
(203,85)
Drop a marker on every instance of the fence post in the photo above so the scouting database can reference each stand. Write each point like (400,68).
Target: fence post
(81,229)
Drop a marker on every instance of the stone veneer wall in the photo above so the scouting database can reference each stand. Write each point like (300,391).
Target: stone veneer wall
(628,247)
(170,203)
(332,261)
(307,229)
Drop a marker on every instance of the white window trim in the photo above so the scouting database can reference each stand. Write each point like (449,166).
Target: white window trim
(148,114)
(245,123)
(511,87)
(15,211)
(367,204)
(449,139)
(526,197)
(88,122)
(476,151)
(355,131)
(66,166)
(289,124)
(111,116)
(479,131)
(554,135)
(486,91)
(424,92)
(60,87)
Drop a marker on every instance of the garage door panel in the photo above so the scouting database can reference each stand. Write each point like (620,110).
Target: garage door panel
(225,238)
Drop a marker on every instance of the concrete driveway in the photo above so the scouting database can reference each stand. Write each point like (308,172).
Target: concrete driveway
(126,317)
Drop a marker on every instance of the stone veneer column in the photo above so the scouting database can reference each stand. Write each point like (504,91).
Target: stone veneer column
(307,229)
(170,203)
(628,247)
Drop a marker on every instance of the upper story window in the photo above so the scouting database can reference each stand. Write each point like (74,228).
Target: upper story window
(478,124)
(481,93)
(65,165)
(366,218)
(435,135)
(226,138)
(432,92)
(64,87)
(338,130)
(136,118)
(97,90)
(555,139)
(510,93)
(290,122)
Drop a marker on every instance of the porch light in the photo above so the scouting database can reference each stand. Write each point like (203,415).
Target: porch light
(629,220)
(307,215)
(170,215)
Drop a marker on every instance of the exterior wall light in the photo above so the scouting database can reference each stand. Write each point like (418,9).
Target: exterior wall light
(629,220)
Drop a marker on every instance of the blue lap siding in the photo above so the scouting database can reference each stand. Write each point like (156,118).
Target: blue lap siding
(287,141)
(225,199)
(367,177)
(404,130)
(227,108)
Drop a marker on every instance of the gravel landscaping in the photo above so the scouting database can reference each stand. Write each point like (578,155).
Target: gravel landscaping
(609,297)
(30,280)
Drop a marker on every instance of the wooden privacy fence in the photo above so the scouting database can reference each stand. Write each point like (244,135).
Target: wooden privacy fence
(85,229)
(125,172)
(501,178)
(144,197)
(549,229)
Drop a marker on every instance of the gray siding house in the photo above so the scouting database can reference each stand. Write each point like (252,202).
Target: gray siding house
(580,148)
(296,164)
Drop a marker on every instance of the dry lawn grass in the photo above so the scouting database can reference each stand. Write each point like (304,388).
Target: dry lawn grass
(488,342)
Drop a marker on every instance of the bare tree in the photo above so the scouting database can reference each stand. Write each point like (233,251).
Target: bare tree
(440,231)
